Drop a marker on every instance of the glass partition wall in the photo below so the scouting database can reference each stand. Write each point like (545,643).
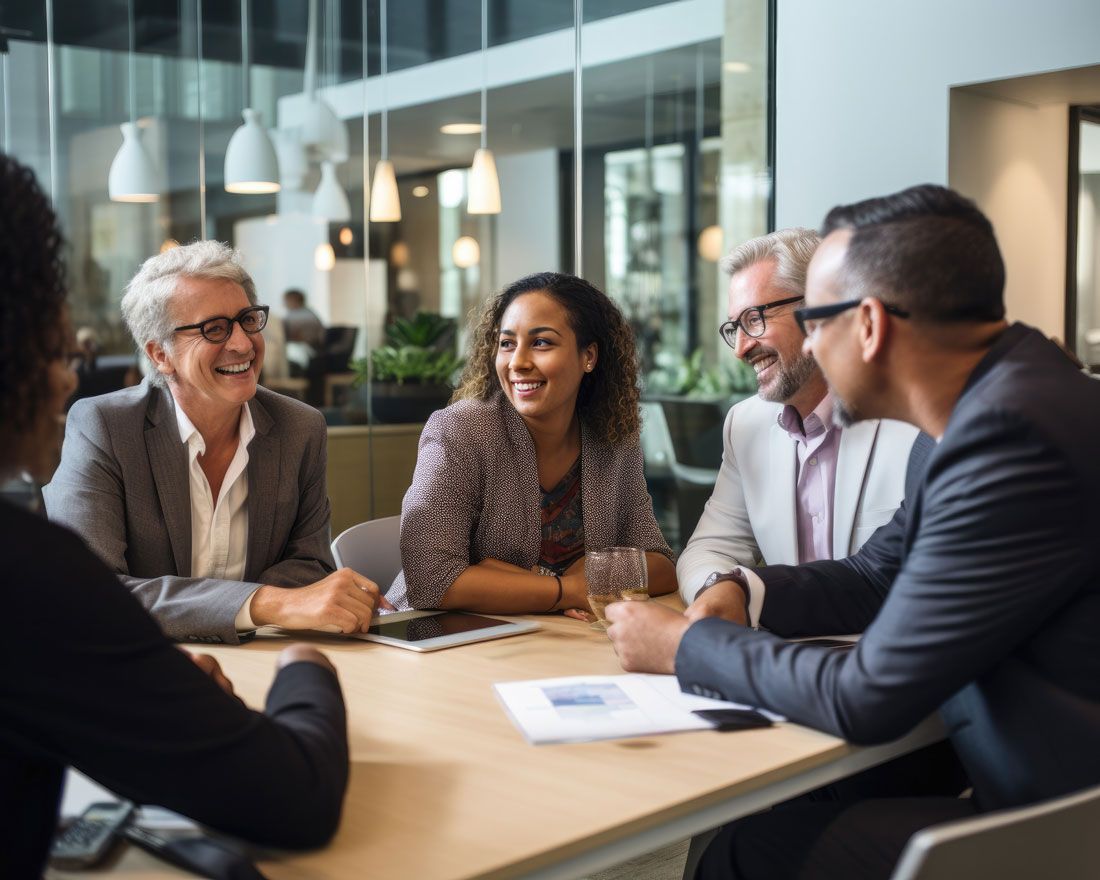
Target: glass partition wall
(630,145)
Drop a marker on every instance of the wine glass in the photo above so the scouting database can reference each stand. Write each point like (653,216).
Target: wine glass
(615,574)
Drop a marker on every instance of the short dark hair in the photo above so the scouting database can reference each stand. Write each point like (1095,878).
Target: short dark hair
(33,323)
(608,397)
(294,293)
(926,249)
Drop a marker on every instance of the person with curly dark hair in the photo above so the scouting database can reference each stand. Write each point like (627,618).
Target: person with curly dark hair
(536,460)
(113,697)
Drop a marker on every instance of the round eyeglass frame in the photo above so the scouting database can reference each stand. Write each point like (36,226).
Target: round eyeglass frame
(729,329)
(209,327)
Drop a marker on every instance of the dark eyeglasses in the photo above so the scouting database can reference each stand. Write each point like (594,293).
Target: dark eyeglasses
(811,318)
(751,321)
(252,321)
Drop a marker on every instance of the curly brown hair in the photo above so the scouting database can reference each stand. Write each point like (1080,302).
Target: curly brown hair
(608,398)
(33,322)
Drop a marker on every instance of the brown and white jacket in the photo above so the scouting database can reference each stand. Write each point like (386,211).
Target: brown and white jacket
(475,495)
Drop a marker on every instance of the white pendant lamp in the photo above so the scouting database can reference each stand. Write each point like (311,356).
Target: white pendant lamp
(330,202)
(293,164)
(251,165)
(133,176)
(385,202)
(484,185)
(324,134)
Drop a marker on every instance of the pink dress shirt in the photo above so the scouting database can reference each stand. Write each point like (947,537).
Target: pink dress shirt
(817,442)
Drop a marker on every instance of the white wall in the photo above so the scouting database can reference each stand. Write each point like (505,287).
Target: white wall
(862,88)
(1012,159)
(278,252)
(528,229)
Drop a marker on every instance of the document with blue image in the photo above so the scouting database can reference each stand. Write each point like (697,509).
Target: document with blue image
(585,708)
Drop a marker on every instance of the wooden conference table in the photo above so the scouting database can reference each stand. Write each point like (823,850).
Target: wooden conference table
(443,785)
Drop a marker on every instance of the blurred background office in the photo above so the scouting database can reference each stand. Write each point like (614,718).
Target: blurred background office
(397,160)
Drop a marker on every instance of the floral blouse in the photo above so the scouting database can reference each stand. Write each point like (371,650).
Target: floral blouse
(562,523)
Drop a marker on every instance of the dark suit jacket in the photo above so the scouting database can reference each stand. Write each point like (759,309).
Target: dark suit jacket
(475,495)
(87,679)
(123,486)
(993,614)
(824,598)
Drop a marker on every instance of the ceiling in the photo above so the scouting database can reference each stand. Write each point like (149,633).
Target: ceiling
(419,31)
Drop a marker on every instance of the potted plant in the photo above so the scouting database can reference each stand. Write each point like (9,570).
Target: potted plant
(677,376)
(409,377)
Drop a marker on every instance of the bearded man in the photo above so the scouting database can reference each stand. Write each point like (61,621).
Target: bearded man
(793,487)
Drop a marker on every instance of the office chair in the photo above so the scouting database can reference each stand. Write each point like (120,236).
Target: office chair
(372,548)
(1056,838)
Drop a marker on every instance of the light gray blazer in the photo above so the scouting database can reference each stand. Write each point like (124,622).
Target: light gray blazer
(475,495)
(751,516)
(122,485)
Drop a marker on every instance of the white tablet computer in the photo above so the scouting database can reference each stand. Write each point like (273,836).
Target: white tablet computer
(432,630)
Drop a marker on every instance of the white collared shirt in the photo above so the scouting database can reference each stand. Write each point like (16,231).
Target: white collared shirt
(219,527)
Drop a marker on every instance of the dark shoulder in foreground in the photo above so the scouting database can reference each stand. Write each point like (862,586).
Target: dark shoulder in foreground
(53,581)
(1028,374)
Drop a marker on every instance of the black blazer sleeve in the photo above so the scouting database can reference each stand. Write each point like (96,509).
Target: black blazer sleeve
(997,553)
(831,597)
(90,681)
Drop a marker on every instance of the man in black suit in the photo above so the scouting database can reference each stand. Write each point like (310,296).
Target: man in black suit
(991,571)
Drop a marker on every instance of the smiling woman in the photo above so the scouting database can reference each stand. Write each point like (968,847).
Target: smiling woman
(536,462)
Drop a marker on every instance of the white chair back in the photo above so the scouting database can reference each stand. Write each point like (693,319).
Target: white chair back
(372,548)
(1057,838)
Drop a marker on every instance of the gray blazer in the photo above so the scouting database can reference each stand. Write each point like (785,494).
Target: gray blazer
(475,495)
(992,604)
(123,486)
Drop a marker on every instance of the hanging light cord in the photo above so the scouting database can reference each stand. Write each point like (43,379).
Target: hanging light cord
(484,72)
(201,120)
(578,138)
(131,63)
(385,94)
(245,56)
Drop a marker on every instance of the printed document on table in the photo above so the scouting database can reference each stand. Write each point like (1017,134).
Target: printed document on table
(593,707)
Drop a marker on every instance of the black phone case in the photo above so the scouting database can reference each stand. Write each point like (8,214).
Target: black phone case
(733,719)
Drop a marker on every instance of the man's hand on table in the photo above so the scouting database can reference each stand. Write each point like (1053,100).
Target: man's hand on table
(303,654)
(646,635)
(725,600)
(210,666)
(342,602)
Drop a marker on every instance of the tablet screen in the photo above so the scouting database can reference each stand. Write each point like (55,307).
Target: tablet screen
(419,629)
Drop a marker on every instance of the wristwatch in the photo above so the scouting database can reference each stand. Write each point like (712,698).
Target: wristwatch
(717,577)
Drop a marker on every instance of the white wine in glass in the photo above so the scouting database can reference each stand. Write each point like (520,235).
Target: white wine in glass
(616,574)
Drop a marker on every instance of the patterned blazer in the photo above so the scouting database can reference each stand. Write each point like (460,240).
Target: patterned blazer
(476,495)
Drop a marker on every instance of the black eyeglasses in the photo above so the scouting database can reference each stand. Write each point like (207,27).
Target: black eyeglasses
(811,318)
(252,321)
(751,321)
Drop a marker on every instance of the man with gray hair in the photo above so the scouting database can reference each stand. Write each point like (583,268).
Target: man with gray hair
(202,490)
(793,487)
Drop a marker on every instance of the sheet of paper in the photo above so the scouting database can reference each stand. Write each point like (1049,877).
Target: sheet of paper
(594,707)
